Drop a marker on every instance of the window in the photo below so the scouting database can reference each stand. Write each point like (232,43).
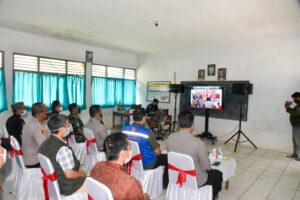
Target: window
(40,79)
(3,103)
(113,85)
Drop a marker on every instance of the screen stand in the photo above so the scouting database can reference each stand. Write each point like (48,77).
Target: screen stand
(207,134)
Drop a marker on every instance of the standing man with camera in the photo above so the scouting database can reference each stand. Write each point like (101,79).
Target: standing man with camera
(295,121)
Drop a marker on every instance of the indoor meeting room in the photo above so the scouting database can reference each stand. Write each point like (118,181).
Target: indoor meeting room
(140,100)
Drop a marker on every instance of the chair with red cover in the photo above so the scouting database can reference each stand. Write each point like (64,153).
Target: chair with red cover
(182,179)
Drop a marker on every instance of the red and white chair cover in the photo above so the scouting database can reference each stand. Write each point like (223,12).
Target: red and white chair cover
(152,179)
(92,154)
(11,166)
(28,182)
(98,190)
(182,179)
(50,184)
(79,149)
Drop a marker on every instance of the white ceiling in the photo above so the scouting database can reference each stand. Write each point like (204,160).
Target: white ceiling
(128,25)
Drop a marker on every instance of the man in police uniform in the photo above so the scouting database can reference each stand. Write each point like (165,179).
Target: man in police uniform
(15,123)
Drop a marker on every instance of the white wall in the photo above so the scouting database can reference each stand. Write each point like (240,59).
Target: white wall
(272,66)
(20,42)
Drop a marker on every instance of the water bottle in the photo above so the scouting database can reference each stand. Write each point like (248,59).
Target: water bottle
(220,154)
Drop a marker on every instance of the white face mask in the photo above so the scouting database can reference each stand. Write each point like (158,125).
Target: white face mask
(60,109)
(67,132)
(24,113)
(127,160)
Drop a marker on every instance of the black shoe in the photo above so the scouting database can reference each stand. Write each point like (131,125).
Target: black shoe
(292,156)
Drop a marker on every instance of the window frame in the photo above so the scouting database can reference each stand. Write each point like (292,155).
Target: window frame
(2,60)
(47,57)
(123,75)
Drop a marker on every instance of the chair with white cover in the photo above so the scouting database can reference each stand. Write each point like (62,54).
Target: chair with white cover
(98,190)
(11,166)
(92,154)
(182,179)
(51,183)
(79,149)
(152,179)
(29,182)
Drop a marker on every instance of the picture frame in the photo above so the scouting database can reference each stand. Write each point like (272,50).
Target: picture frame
(158,90)
(222,74)
(211,70)
(201,74)
(89,56)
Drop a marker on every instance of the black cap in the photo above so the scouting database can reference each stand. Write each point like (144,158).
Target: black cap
(155,100)
(296,94)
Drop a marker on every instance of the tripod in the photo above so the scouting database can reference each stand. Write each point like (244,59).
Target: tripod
(239,132)
(173,124)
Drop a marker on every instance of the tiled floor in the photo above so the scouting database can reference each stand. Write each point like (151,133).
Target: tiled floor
(260,174)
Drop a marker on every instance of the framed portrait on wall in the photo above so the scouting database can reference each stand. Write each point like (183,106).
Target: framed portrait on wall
(222,74)
(89,56)
(201,74)
(211,70)
(159,90)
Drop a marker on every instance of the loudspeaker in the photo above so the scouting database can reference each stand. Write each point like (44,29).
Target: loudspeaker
(176,88)
(242,88)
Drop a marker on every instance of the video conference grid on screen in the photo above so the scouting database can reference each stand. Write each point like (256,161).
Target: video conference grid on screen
(206,97)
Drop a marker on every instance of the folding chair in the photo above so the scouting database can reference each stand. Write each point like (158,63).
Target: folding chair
(92,154)
(51,188)
(182,179)
(28,182)
(152,179)
(98,190)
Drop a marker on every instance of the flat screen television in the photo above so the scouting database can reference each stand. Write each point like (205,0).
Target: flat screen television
(207,97)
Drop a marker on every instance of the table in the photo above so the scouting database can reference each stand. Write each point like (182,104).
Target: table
(227,167)
(123,114)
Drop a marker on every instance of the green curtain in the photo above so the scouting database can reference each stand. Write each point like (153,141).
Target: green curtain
(76,90)
(3,103)
(129,92)
(31,87)
(107,92)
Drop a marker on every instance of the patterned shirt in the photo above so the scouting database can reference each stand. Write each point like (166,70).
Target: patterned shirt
(76,124)
(115,177)
(65,158)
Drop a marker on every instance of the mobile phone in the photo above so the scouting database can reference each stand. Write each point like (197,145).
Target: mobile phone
(216,163)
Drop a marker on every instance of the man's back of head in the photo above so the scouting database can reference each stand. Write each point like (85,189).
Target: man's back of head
(139,114)
(186,119)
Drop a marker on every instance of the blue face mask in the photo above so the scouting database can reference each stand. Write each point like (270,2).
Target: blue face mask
(67,132)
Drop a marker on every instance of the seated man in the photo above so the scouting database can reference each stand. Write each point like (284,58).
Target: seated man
(70,177)
(96,126)
(56,108)
(15,123)
(112,172)
(152,107)
(76,122)
(34,134)
(149,147)
(184,142)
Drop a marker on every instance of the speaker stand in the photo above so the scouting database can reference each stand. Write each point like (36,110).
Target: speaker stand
(207,134)
(239,132)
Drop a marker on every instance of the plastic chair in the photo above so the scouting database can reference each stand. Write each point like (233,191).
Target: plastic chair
(52,183)
(92,154)
(178,188)
(28,182)
(79,149)
(98,190)
(151,180)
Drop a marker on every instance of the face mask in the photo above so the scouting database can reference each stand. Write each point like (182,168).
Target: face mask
(127,160)
(67,132)
(60,109)
(296,101)
(24,113)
